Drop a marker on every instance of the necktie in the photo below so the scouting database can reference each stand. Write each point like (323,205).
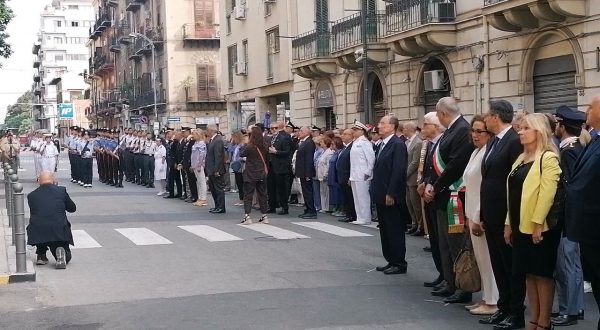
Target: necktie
(492,146)
(380,149)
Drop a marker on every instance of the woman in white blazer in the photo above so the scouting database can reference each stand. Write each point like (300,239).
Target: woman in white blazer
(323,173)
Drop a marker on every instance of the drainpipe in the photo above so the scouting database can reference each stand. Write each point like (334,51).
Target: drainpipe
(345,106)
(486,38)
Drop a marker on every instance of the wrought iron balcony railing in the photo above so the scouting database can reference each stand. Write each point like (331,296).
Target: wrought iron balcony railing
(346,32)
(410,14)
(312,44)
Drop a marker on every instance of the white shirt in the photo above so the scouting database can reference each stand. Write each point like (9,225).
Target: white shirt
(384,143)
(150,147)
(503,132)
(453,121)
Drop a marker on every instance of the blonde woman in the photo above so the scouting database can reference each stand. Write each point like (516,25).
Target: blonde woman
(323,173)
(197,164)
(532,185)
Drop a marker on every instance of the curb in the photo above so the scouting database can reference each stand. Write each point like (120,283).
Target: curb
(8,261)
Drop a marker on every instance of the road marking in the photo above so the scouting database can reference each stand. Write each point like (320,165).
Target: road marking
(273,231)
(143,236)
(83,240)
(210,234)
(334,230)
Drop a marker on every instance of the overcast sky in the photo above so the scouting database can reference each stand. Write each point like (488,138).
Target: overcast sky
(16,74)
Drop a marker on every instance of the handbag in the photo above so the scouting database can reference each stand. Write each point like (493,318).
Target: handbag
(556,214)
(465,267)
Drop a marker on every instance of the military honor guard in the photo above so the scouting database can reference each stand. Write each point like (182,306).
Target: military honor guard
(148,157)
(10,148)
(48,155)
(85,151)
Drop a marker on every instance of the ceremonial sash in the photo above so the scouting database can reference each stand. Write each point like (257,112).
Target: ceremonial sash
(455,209)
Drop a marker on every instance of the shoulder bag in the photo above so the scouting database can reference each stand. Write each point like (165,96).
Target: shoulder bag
(555,217)
(465,267)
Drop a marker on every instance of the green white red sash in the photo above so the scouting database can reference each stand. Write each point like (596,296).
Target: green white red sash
(455,209)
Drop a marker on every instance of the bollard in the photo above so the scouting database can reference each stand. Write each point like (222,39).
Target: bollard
(5,167)
(19,228)
(14,179)
(9,198)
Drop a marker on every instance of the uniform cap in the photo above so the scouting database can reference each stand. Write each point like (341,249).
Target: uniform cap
(314,128)
(290,125)
(185,128)
(359,125)
(569,116)
(47,135)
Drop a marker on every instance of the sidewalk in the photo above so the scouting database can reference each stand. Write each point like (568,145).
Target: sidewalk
(8,262)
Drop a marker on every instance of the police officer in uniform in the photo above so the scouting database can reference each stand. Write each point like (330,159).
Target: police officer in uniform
(148,154)
(85,151)
(10,147)
(569,275)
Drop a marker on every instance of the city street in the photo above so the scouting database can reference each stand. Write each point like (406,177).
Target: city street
(143,262)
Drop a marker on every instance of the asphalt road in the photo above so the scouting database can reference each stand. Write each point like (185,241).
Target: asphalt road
(143,262)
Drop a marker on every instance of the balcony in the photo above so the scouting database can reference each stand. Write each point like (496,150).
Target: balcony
(515,15)
(132,55)
(103,61)
(198,33)
(36,48)
(123,32)
(36,77)
(311,55)
(417,27)
(37,91)
(115,46)
(113,3)
(36,62)
(95,32)
(156,35)
(103,20)
(347,38)
(146,98)
(133,5)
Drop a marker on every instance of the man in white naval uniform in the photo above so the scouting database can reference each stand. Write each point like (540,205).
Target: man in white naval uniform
(48,154)
(35,144)
(362,161)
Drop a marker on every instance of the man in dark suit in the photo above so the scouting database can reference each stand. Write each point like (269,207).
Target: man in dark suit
(174,177)
(582,205)
(179,158)
(501,152)
(343,176)
(280,150)
(388,192)
(215,168)
(305,171)
(451,155)
(186,164)
(48,225)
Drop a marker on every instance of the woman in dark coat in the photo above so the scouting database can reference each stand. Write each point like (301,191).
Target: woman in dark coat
(335,193)
(255,175)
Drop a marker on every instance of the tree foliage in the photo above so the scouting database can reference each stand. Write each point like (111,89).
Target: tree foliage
(19,115)
(6,15)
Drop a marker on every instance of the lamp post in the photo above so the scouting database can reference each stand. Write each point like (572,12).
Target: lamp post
(139,35)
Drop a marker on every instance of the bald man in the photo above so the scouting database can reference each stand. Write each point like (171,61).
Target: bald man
(582,200)
(48,226)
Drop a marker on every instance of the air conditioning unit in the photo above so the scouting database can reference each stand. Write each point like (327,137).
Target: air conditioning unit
(241,68)
(434,80)
(239,12)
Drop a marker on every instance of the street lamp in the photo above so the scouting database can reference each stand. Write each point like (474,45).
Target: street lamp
(139,35)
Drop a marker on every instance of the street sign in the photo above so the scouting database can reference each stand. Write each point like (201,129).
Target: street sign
(134,119)
(143,120)
(66,111)
(156,126)
(174,119)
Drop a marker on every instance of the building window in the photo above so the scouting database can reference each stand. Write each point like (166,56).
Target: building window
(231,63)
(228,23)
(58,23)
(272,50)
(268,8)
(207,82)
(59,57)
(58,40)
(204,18)
(74,24)
(75,7)
(245,50)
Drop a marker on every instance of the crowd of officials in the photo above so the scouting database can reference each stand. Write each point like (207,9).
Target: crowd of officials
(519,188)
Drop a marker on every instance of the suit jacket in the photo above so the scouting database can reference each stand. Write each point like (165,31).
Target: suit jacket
(414,156)
(48,206)
(305,165)
(455,150)
(281,160)
(255,168)
(582,204)
(389,172)
(342,166)
(494,171)
(215,156)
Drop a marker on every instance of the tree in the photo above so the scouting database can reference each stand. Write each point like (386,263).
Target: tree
(6,15)
(19,115)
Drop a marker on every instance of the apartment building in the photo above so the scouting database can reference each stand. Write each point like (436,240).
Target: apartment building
(155,63)
(60,55)
(536,54)
(255,60)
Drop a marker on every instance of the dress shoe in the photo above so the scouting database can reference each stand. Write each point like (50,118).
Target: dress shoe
(433,283)
(394,270)
(427,249)
(581,315)
(511,322)
(217,211)
(565,320)
(271,211)
(151,185)
(459,297)
(440,286)
(61,258)
(347,220)
(444,292)
(382,268)
(169,196)
(309,216)
(184,197)
(41,259)
(418,233)
(120,185)
(283,212)
(495,318)
(484,310)
(411,230)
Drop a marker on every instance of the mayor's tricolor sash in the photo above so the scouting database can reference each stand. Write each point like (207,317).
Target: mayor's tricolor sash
(456,214)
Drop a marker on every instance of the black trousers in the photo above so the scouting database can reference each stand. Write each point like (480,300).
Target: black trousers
(272,188)
(42,248)
(86,170)
(174,179)
(307,193)
(434,239)
(75,166)
(99,166)
(348,201)
(239,182)
(117,170)
(72,165)
(282,182)
(191,178)
(590,262)
(392,226)
(216,184)
(511,288)
(139,168)
(131,166)
(185,182)
(148,172)
(260,187)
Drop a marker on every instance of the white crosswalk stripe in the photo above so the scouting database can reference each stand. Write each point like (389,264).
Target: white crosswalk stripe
(83,240)
(334,230)
(210,234)
(143,236)
(274,232)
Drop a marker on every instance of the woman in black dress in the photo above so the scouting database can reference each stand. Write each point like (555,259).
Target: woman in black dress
(532,185)
(255,175)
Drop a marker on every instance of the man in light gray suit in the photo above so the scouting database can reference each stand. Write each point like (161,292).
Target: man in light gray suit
(413,200)
(215,168)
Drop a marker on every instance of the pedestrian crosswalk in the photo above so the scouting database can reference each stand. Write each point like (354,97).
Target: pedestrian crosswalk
(142,236)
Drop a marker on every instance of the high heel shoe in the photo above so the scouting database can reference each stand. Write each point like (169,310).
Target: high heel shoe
(247,220)
(264,219)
